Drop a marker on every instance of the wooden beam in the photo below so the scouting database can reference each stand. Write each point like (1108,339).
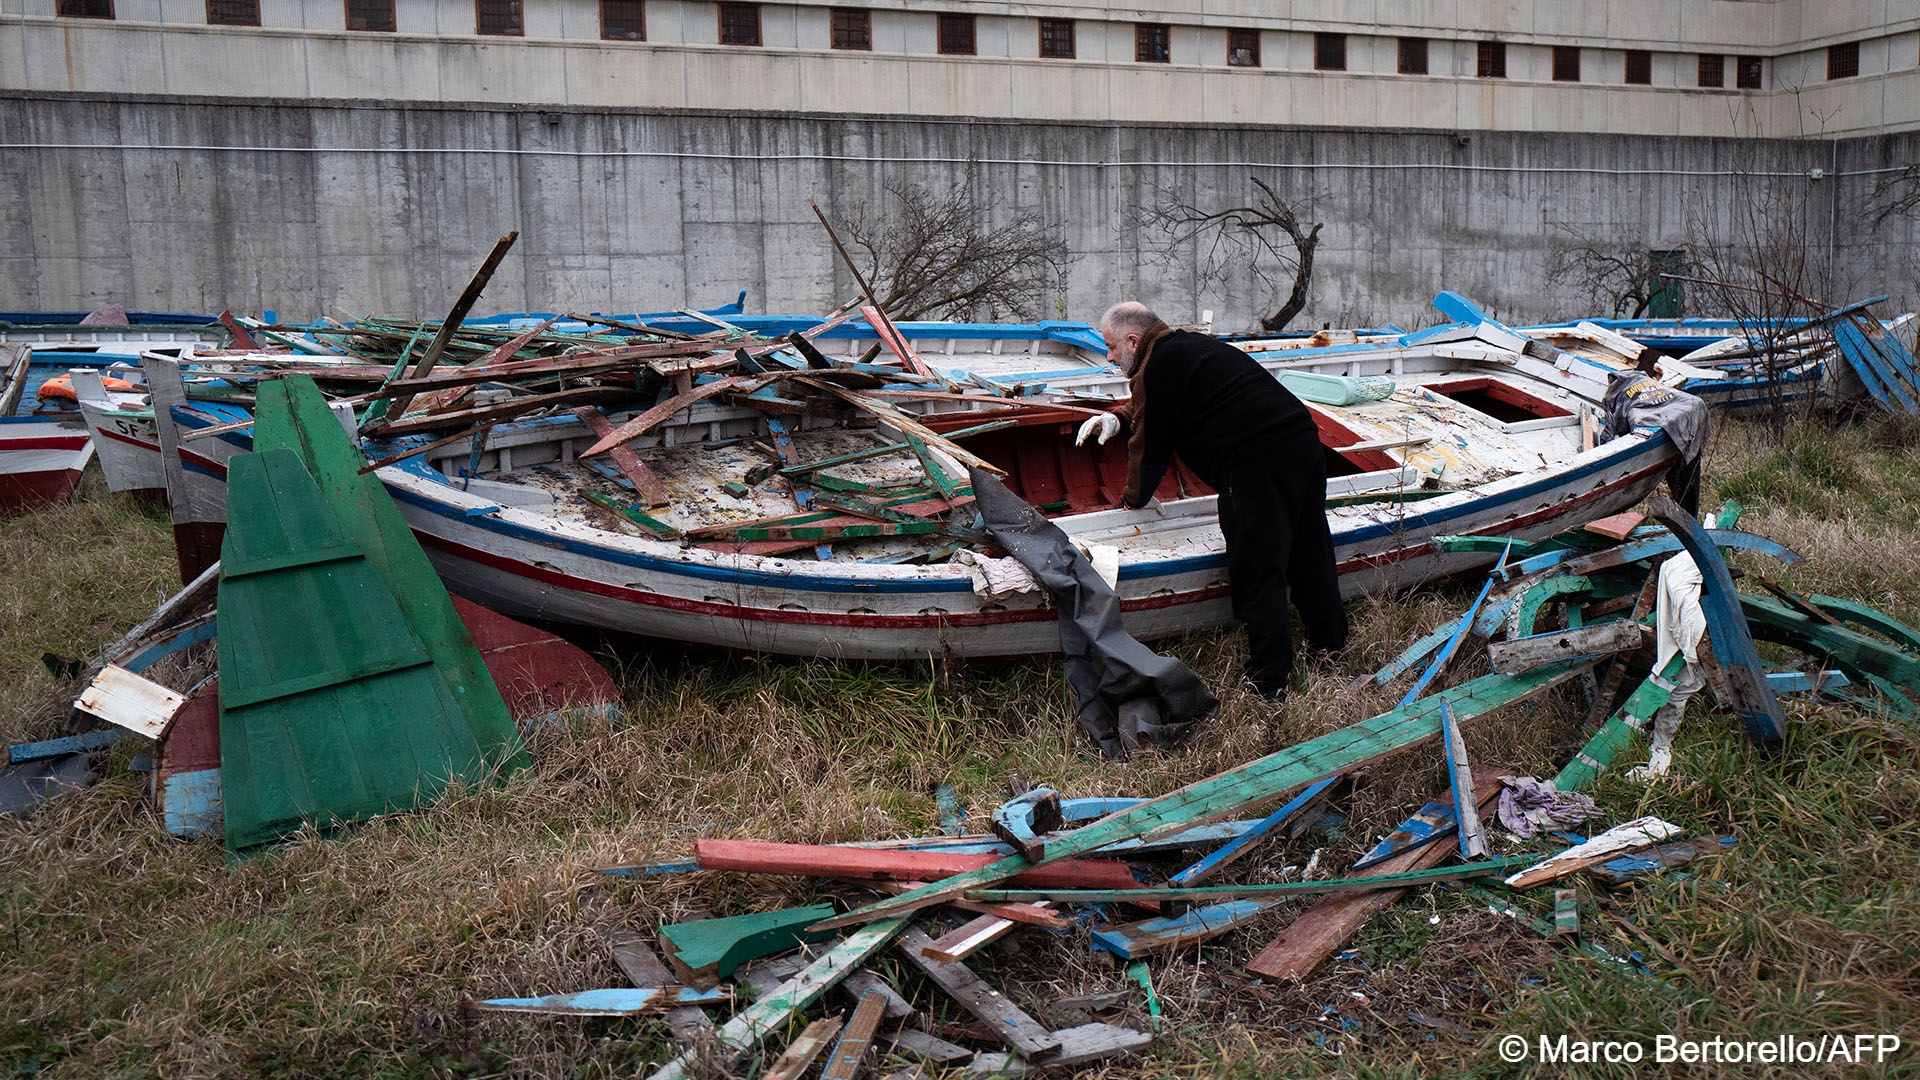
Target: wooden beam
(451,324)
(772,1012)
(1277,774)
(642,968)
(1276,890)
(821,860)
(1005,1019)
(1473,838)
(652,492)
(1130,941)
(855,1039)
(961,942)
(1595,639)
(1632,836)
(1613,736)
(705,951)
(799,1054)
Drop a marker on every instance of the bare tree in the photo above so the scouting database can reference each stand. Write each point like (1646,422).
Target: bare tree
(1621,277)
(932,251)
(1761,264)
(1267,239)
(1898,195)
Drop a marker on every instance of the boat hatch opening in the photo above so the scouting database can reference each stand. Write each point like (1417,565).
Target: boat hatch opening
(1046,469)
(1334,435)
(1504,403)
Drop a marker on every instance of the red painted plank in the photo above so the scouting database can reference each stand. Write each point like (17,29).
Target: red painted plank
(820,860)
(651,491)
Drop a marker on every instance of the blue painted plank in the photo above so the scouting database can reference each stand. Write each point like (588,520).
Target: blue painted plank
(1429,823)
(1232,849)
(46,748)
(1159,935)
(614,1001)
(1799,682)
(1754,701)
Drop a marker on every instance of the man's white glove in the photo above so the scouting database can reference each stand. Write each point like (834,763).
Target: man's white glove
(1099,428)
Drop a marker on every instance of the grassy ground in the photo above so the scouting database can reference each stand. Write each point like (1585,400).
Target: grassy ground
(126,952)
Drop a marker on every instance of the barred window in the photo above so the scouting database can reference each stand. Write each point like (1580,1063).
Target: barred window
(1152,43)
(1713,71)
(1843,60)
(85,9)
(1492,60)
(623,20)
(1639,67)
(1566,63)
(1330,52)
(956,35)
(1413,56)
(233,12)
(497,17)
(852,28)
(739,24)
(1056,38)
(370,15)
(1243,48)
(1749,75)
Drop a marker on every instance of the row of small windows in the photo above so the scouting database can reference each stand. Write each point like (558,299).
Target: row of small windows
(625,20)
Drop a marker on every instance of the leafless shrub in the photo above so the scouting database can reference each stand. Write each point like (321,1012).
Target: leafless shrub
(1268,239)
(936,252)
(1620,278)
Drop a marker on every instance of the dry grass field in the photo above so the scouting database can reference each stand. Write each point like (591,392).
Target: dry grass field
(126,952)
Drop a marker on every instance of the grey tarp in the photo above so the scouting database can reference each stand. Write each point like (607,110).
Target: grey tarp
(1123,692)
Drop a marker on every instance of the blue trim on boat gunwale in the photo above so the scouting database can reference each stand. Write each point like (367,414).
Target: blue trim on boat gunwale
(1427,522)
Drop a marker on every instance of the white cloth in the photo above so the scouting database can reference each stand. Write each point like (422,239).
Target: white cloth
(1679,622)
(1101,428)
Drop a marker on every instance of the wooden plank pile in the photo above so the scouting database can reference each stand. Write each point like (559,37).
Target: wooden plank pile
(1127,873)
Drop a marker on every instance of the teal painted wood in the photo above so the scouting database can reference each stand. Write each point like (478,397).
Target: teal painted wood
(331,710)
(293,414)
(772,1012)
(1276,774)
(1526,611)
(1231,850)
(1585,562)
(1799,682)
(707,950)
(1753,700)
(1452,645)
(1613,736)
(1857,653)
(1848,611)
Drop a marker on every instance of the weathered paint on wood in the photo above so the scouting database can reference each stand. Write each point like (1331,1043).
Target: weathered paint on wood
(855,1039)
(1638,833)
(1473,838)
(799,1054)
(643,969)
(1005,1019)
(1597,639)
(122,698)
(1132,940)
(1020,819)
(962,941)
(613,1001)
(1754,701)
(1613,736)
(1277,890)
(861,983)
(69,744)
(1276,774)
(1078,1045)
(1227,853)
(913,1042)
(822,860)
(772,1011)
(1566,912)
(705,951)
(1434,821)
(1628,868)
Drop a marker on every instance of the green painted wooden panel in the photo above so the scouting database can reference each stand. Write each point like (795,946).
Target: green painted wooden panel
(293,414)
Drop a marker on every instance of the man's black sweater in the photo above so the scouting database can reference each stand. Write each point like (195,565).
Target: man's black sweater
(1211,403)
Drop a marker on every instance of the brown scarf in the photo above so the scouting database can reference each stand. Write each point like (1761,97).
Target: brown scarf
(1136,413)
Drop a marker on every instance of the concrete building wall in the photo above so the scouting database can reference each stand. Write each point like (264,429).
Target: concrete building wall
(366,209)
(302,50)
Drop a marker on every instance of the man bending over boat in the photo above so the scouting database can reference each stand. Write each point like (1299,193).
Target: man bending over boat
(1251,440)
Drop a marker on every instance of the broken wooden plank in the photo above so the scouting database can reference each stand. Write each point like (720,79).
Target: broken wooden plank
(1434,821)
(1626,869)
(1754,701)
(1613,736)
(912,1042)
(1140,975)
(1452,645)
(1133,940)
(961,942)
(799,1054)
(451,324)
(1473,838)
(1638,833)
(1274,890)
(642,968)
(1596,639)
(855,1039)
(652,492)
(660,413)
(821,860)
(1276,774)
(1323,928)
(131,701)
(705,951)
(1018,820)
(613,1001)
(861,983)
(1566,912)
(895,341)
(772,1012)
(1006,1020)
(1077,1046)
(1616,527)
(647,522)
(1226,854)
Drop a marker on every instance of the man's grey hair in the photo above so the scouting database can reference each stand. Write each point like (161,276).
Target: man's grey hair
(1128,317)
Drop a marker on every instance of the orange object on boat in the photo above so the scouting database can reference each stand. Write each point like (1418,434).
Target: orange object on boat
(61,386)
